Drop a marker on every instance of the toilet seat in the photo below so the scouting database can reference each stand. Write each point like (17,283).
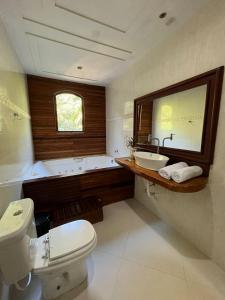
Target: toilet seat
(68,238)
(62,245)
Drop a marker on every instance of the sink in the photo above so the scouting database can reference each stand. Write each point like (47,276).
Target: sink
(152,161)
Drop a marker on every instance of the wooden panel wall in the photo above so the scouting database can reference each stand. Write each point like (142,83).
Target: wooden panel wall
(48,142)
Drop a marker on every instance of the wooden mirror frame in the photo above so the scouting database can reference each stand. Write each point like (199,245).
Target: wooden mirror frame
(213,79)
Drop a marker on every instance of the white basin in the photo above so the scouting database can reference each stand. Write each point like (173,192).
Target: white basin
(152,161)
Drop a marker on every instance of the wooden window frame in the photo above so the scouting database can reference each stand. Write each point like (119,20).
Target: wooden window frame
(72,133)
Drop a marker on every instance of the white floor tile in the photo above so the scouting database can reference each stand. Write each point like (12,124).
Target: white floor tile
(112,237)
(103,270)
(150,243)
(147,248)
(136,282)
(200,291)
(202,274)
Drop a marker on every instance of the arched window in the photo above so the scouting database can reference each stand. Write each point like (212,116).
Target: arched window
(69,111)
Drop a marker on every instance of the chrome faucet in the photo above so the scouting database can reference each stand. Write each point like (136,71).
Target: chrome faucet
(150,139)
(168,138)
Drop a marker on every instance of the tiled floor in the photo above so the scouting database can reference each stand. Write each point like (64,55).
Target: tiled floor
(139,257)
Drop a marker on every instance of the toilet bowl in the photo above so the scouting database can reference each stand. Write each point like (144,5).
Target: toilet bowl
(58,258)
(60,261)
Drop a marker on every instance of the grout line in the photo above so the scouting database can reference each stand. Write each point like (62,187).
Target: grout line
(116,282)
(123,117)
(89,18)
(76,35)
(187,281)
(153,268)
(114,119)
(122,257)
(73,46)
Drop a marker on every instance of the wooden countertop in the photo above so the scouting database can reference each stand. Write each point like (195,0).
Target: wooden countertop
(190,186)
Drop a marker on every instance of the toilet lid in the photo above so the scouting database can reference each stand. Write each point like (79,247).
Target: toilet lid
(70,237)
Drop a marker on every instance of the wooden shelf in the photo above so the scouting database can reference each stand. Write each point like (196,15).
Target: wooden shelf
(190,186)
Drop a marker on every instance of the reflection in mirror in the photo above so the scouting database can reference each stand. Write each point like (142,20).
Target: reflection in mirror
(144,121)
(178,117)
(180,114)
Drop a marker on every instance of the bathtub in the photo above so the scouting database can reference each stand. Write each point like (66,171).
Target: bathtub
(77,187)
(69,166)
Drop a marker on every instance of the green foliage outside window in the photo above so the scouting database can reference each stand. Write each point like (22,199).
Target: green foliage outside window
(69,112)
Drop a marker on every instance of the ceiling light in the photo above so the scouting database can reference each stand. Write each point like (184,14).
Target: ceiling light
(163,15)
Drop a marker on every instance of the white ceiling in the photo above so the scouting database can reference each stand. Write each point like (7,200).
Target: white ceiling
(53,37)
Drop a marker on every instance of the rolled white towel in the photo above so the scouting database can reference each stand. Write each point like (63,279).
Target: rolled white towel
(184,174)
(166,172)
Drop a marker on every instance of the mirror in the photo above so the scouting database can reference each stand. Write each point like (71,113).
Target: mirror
(176,120)
(181,118)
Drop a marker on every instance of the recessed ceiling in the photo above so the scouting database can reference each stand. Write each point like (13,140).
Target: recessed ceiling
(52,38)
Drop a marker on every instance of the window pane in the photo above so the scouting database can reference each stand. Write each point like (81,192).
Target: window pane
(69,112)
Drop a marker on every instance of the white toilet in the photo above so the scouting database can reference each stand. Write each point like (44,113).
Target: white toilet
(58,258)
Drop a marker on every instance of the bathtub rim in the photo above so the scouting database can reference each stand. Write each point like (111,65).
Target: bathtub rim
(75,157)
(70,175)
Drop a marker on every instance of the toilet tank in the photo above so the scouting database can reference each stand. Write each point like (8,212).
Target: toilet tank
(16,256)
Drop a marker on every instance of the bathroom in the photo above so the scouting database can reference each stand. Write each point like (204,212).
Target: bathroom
(155,238)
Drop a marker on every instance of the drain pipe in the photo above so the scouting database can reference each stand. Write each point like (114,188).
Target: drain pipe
(22,288)
(148,185)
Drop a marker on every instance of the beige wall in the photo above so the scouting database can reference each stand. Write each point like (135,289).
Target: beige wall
(198,47)
(15,133)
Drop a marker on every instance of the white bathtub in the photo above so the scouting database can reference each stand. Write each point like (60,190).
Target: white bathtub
(69,166)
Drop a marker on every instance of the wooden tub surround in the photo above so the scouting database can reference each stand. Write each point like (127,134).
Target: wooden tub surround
(71,197)
(190,186)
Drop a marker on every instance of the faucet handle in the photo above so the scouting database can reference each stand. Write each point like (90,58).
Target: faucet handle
(171,136)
